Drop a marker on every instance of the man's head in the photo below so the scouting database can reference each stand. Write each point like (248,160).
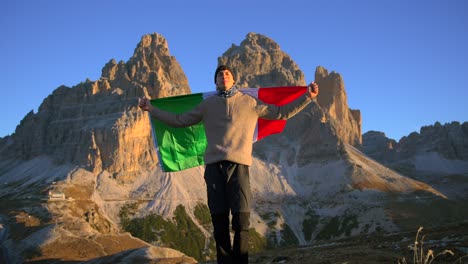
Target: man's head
(224,78)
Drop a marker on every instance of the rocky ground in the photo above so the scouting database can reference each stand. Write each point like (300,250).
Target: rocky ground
(385,248)
(377,248)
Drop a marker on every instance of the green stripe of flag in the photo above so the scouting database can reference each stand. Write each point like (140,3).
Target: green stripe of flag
(179,148)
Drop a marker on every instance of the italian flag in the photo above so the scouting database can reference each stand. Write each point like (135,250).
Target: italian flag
(183,148)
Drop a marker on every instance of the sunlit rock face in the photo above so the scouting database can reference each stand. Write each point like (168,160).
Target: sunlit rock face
(96,124)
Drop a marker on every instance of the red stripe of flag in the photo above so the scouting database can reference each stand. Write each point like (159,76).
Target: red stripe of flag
(278,96)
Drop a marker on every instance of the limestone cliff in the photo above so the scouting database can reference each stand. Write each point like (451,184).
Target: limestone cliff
(96,129)
(333,98)
(96,124)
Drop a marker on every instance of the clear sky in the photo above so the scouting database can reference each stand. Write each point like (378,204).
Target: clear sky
(404,62)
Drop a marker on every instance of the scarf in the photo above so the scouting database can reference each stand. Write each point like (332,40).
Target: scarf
(228,93)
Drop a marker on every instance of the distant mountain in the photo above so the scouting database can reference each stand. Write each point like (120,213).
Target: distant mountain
(92,144)
(449,140)
(437,155)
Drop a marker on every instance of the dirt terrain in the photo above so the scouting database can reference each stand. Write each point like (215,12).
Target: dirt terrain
(377,248)
(385,248)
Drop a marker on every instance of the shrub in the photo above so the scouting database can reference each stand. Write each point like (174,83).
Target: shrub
(126,213)
(257,243)
(270,218)
(202,213)
(338,226)
(287,237)
(309,224)
(181,233)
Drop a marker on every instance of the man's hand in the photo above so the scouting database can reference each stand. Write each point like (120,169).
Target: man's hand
(312,89)
(144,104)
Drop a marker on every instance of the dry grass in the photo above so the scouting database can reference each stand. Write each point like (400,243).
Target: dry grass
(426,256)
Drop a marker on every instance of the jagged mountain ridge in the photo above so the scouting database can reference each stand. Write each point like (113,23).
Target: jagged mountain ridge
(86,124)
(449,140)
(438,155)
(94,131)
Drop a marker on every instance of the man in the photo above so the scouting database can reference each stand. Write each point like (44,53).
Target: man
(230,119)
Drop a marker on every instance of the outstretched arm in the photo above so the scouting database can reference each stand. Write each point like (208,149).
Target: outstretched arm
(186,119)
(274,112)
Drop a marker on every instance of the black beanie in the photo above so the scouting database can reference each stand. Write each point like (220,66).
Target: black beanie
(222,68)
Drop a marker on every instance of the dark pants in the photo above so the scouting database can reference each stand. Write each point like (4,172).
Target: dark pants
(228,190)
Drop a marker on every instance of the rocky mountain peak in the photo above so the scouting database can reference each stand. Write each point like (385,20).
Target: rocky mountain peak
(87,124)
(378,146)
(258,42)
(258,60)
(152,67)
(151,42)
(333,99)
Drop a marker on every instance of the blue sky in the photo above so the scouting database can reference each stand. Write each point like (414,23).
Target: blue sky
(404,62)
